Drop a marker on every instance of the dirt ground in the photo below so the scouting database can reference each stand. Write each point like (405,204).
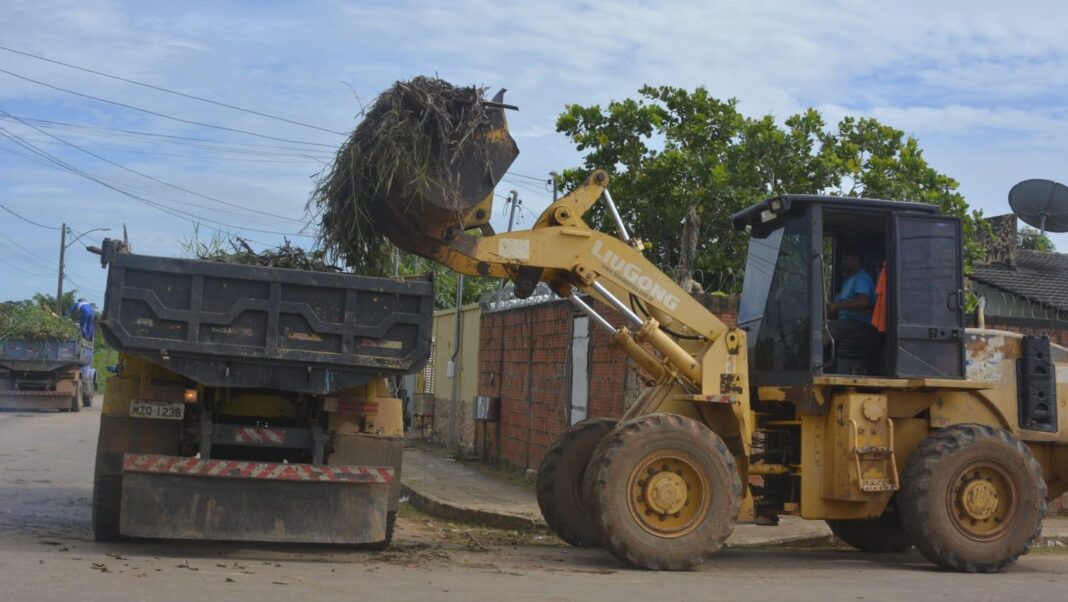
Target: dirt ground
(47,553)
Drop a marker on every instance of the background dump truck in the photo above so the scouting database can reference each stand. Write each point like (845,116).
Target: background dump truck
(44,374)
(252,403)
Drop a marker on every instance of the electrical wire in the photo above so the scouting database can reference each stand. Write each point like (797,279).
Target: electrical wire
(29,221)
(185,215)
(172,138)
(162,115)
(159,181)
(175,92)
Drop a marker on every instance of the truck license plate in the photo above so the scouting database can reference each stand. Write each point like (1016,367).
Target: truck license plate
(163,411)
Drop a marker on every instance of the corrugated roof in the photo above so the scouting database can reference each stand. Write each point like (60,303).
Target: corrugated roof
(1040,277)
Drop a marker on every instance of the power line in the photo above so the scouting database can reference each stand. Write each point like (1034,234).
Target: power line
(157,180)
(512,173)
(183,94)
(40,261)
(29,221)
(163,115)
(228,146)
(190,217)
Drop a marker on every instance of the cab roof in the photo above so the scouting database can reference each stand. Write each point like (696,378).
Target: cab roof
(754,215)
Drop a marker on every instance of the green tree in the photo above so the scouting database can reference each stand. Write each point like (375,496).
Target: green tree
(683,162)
(1033,240)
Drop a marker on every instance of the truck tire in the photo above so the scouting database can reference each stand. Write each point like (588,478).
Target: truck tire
(107,500)
(560,476)
(87,399)
(379,546)
(882,535)
(663,491)
(972,498)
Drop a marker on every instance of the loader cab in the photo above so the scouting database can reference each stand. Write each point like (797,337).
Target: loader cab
(794,270)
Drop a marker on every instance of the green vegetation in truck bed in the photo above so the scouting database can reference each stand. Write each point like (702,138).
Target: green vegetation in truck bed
(31,321)
(285,256)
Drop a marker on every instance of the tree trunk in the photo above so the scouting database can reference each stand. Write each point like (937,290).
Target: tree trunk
(691,226)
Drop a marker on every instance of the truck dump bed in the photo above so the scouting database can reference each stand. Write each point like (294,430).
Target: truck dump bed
(41,356)
(226,325)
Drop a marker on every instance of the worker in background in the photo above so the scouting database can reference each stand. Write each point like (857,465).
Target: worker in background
(86,317)
(86,324)
(849,316)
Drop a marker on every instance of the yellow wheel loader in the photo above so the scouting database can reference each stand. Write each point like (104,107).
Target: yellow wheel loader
(925,435)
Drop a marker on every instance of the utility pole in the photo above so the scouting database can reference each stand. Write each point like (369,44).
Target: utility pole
(555,178)
(62,257)
(513,200)
(457,361)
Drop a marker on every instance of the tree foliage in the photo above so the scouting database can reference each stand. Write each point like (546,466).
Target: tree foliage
(1033,240)
(672,151)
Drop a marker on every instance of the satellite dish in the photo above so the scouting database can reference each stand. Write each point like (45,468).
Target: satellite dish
(1042,204)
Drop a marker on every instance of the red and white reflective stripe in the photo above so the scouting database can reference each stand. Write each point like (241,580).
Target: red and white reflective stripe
(720,398)
(254,434)
(235,469)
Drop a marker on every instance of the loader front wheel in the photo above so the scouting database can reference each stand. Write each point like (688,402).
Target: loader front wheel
(663,491)
(560,477)
(882,535)
(972,498)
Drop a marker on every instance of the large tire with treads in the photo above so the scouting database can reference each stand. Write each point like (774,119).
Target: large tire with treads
(972,498)
(882,535)
(560,477)
(107,497)
(663,491)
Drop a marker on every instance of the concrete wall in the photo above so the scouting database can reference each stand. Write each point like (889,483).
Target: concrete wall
(466,371)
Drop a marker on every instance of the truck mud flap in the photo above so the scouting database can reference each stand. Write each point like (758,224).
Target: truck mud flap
(170,497)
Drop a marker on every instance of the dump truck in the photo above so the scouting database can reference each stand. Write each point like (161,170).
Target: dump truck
(45,374)
(253,403)
(934,435)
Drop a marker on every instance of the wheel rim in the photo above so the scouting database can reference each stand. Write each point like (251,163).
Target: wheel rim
(668,493)
(982,500)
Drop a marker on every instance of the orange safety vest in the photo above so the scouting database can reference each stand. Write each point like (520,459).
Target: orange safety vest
(878,313)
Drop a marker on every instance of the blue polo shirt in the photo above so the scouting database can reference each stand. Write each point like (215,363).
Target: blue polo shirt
(859,283)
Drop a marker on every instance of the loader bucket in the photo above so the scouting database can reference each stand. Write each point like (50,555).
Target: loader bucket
(420,222)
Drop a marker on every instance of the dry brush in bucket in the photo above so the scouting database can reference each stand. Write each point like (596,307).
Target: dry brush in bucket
(418,144)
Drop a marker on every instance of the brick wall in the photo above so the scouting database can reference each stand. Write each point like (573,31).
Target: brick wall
(523,361)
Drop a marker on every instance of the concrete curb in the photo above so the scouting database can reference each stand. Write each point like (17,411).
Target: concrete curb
(437,507)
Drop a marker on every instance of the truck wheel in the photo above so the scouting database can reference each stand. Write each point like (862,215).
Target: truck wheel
(560,477)
(107,500)
(87,399)
(972,498)
(882,535)
(74,406)
(378,546)
(663,491)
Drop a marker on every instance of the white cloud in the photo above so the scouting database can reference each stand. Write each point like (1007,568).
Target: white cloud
(979,83)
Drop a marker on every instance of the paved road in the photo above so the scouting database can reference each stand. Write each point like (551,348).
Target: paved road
(46,553)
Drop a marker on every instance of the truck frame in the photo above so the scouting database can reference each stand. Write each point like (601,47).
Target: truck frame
(44,374)
(253,404)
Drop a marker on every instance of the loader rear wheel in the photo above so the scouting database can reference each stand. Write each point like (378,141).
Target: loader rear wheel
(560,477)
(972,498)
(882,535)
(107,498)
(663,491)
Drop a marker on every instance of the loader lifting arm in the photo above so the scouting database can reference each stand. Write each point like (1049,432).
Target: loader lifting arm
(563,251)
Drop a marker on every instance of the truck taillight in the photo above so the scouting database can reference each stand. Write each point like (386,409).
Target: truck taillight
(190,395)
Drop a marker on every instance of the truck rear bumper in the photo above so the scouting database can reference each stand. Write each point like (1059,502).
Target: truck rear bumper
(35,400)
(171,497)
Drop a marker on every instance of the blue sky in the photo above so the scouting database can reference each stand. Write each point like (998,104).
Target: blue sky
(981,84)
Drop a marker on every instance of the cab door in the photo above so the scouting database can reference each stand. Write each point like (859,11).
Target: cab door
(928,340)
